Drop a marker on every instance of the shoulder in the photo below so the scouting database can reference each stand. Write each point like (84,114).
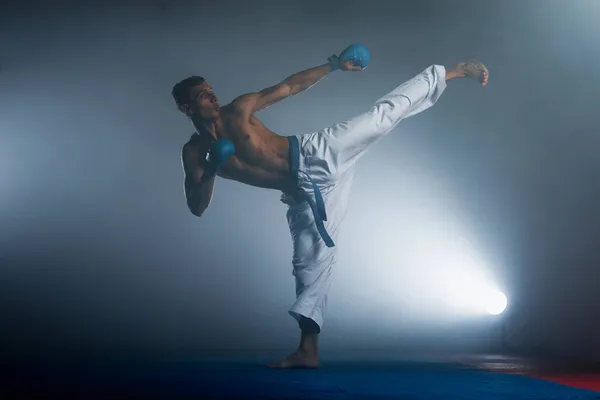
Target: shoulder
(252,102)
(194,146)
(242,104)
(189,146)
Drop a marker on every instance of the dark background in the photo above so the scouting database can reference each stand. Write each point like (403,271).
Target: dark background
(99,252)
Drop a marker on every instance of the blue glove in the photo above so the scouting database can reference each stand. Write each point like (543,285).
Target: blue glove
(356,52)
(218,154)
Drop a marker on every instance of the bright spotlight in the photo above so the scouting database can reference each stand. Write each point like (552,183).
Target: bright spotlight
(495,303)
(471,294)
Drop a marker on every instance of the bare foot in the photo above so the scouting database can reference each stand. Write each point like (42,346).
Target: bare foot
(473,69)
(297,360)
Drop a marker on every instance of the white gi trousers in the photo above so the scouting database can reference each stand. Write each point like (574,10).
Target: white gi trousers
(323,164)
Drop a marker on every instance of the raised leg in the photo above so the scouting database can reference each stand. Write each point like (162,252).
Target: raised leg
(350,139)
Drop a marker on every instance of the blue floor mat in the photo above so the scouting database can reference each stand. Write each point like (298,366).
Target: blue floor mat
(236,378)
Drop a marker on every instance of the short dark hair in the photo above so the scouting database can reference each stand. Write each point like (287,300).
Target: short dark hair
(180,91)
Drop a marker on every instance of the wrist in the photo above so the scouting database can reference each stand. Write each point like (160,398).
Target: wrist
(333,63)
(210,168)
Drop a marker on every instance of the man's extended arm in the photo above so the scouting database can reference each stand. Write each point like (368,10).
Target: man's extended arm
(290,86)
(302,80)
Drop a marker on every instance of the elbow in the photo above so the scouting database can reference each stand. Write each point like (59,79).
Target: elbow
(198,203)
(286,89)
(196,210)
(197,213)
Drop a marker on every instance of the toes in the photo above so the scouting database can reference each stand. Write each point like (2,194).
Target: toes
(484,76)
(292,363)
(285,363)
(277,364)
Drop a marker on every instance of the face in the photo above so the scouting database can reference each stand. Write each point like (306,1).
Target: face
(203,102)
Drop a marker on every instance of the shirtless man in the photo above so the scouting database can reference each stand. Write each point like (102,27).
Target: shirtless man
(314,171)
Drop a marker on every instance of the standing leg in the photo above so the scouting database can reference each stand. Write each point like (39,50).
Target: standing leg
(313,263)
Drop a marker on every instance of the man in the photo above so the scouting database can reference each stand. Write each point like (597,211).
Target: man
(314,171)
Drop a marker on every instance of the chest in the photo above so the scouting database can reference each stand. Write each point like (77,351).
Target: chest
(241,130)
(252,142)
(247,135)
(241,135)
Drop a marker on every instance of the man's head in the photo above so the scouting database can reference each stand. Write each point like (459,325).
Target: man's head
(195,98)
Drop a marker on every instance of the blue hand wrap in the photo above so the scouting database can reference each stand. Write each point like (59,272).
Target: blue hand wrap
(218,154)
(357,53)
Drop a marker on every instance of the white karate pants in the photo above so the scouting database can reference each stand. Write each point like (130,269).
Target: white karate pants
(324,169)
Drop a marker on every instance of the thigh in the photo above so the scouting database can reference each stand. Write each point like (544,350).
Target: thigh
(308,245)
(349,140)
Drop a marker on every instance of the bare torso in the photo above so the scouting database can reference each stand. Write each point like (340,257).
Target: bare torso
(261,156)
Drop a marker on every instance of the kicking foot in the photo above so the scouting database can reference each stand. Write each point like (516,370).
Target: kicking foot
(297,360)
(473,69)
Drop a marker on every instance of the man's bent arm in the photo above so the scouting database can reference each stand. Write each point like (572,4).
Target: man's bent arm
(290,86)
(200,195)
(199,186)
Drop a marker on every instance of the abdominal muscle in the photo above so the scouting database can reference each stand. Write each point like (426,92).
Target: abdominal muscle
(261,156)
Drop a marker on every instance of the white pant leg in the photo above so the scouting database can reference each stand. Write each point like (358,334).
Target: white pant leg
(313,261)
(350,139)
(327,157)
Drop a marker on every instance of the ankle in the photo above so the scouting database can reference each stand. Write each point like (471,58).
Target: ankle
(307,351)
(309,344)
(452,74)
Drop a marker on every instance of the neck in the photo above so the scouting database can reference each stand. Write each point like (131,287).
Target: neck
(204,127)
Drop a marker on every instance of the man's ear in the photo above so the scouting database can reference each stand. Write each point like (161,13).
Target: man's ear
(184,108)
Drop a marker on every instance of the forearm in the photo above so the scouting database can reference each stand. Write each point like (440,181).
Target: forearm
(304,79)
(200,195)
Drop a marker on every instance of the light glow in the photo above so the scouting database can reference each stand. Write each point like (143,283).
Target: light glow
(495,302)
